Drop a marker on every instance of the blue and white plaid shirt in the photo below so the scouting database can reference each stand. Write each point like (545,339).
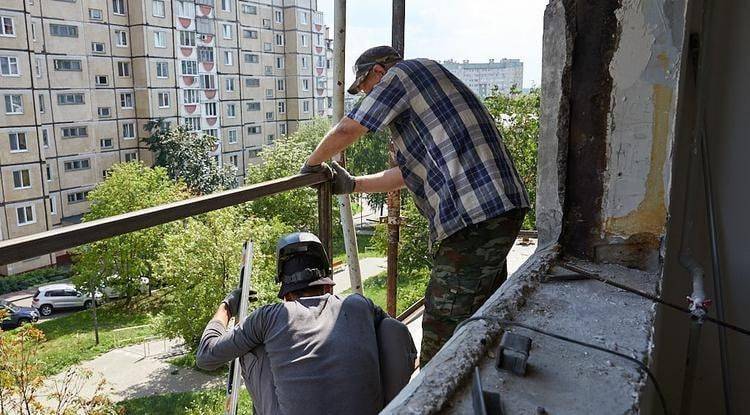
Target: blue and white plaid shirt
(448,147)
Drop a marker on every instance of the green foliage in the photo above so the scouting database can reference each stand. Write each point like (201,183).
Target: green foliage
(367,156)
(210,402)
(517,117)
(126,258)
(29,279)
(298,207)
(185,156)
(201,263)
(413,252)
(410,289)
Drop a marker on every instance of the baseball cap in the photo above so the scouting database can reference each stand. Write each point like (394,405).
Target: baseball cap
(380,55)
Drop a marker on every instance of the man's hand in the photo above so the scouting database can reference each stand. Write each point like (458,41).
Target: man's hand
(232,300)
(315,168)
(343,181)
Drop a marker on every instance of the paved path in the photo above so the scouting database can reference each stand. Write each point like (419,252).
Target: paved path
(368,267)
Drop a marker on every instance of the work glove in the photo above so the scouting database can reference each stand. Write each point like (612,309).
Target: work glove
(315,168)
(343,181)
(232,300)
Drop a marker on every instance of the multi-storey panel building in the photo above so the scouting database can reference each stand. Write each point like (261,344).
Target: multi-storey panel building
(79,79)
(483,77)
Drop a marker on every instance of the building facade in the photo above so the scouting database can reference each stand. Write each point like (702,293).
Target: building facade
(79,79)
(483,77)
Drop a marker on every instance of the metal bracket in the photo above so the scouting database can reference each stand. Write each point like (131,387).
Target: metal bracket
(513,353)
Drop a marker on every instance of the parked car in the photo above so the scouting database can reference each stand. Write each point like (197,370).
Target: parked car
(53,297)
(111,292)
(17,316)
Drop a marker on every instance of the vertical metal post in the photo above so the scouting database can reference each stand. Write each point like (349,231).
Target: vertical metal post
(394,198)
(325,214)
(345,204)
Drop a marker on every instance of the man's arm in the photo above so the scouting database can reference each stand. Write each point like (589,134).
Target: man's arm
(219,346)
(341,136)
(385,181)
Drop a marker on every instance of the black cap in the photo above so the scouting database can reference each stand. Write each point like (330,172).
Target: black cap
(379,54)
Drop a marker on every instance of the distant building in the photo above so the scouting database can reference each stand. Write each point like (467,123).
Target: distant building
(483,77)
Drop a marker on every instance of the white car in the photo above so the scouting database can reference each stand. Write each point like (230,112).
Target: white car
(49,298)
(111,292)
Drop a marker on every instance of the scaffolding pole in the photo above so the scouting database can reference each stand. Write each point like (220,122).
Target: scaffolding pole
(394,197)
(345,204)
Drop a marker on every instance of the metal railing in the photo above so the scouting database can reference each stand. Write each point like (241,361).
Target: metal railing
(31,246)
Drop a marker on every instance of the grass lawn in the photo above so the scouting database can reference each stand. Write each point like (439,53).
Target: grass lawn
(363,243)
(186,403)
(409,289)
(70,339)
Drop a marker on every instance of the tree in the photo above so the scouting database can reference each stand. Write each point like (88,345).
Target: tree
(185,156)
(201,263)
(517,117)
(413,244)
(124,259)
(370,155)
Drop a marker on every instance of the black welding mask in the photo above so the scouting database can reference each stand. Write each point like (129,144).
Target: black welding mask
(301,262)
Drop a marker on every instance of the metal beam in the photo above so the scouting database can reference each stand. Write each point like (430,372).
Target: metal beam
(31,246)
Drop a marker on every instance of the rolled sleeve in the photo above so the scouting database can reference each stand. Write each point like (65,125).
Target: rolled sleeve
(386,101)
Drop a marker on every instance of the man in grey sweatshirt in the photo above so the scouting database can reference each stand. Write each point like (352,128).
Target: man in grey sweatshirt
(315,352)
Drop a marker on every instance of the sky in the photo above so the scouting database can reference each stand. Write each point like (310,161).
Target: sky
(477,30)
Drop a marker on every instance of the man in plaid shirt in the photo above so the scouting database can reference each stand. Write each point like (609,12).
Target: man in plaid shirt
(452,159)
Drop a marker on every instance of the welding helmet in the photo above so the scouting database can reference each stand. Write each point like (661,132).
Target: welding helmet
(301,262)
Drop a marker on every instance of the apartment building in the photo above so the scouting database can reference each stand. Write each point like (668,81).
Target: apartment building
(483,77)
(79,79)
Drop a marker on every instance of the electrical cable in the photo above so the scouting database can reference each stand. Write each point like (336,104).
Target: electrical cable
(653,298)
(578,342)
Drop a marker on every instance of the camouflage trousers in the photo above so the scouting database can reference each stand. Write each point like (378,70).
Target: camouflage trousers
(467,267)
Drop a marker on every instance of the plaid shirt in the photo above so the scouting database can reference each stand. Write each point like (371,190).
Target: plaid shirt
(448,147)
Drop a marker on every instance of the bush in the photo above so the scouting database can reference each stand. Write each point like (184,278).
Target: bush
(32,278)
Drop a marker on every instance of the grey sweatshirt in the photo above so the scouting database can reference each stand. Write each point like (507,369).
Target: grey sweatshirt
(322,350)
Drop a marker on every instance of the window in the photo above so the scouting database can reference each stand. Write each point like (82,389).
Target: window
(67,65)
(162,70)
(226,30)
(226,5)
(250,34)
(187,38)
(268,70)
(48,170)
(234,160)
(21,179)
(63,30)
(106,143)
(123,69)
(318,39)
(228,61)
(266,24)
(128,131)
(104,112)
(18,142)
(229,84)
(9,66)
(208,81)
(231,110)
(267,47)
(204,25)
(212,132)
(253,153)
(249,9)
(77,197)
(157,8)
(122,38)
(45,138)
(269,139)
(160,39)
(205,54)
(282,129)
(253,129)
(38,65)
(305,106)
(131,157)
(74,165)
(304,62)
(252,82)
(232,136)
(25,215)
(95,14)
(193,123)
(41,103)
(269,92)
(7,26)
(305,84)
(126,100)
(253,106)
(319,62)
(279,62)
(163,99)
(118,6)
(33,31)
(281,107)
(184,8)
(210,109)
(269,116)
(189,67)
(53,205)
(251,58)
(303,40)
(303,17)
(279,39)
(279,84)
(74,132)
(101,80)
(278,16)
(97,47)
(70,99)
(190,96)
(13,104)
